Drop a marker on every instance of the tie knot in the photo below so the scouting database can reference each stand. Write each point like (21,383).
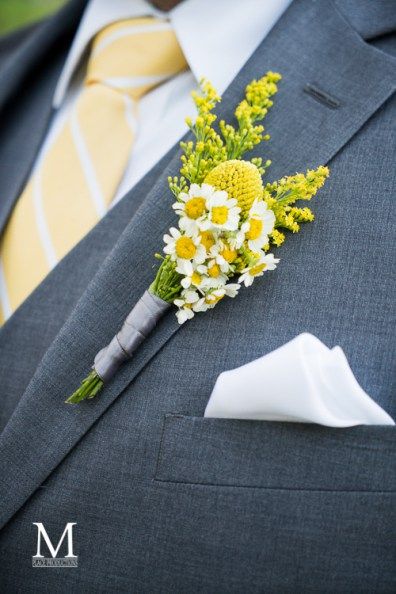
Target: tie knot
(135,55)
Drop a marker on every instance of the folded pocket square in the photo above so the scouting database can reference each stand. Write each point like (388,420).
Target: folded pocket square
(302,381)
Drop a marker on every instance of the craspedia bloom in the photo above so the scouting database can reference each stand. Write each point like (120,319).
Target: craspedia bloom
(240,179)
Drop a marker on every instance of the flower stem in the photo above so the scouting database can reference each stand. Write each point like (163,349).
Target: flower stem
(90,386)
(166,284)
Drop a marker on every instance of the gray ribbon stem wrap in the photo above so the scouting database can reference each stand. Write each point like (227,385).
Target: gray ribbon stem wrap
(137,326)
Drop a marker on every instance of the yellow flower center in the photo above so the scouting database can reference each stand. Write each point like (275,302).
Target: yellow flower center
(257,269)
(219,215)
(214,271)
(185,248)
(207,240)
(195,279)
(195,207)
(255,229)
(228,254)
(211,299)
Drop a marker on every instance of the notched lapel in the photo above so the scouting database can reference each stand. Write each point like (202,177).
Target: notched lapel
(313,44)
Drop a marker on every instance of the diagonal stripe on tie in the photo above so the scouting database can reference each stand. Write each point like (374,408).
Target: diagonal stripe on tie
(76,180)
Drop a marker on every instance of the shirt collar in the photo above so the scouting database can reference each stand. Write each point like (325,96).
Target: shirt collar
(217,37)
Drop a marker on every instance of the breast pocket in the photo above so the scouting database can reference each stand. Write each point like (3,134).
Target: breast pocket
(272,455)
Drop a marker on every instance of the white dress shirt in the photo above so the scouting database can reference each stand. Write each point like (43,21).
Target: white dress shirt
(217,38)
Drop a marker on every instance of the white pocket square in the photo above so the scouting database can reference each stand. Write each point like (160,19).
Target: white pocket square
(302,381)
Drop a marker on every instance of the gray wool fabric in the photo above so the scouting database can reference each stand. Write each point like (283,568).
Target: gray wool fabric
(163,499)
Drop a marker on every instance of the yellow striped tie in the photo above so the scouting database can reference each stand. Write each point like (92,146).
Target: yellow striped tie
(73,186)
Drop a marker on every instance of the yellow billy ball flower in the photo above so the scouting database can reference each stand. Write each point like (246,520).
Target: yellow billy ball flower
(240,179)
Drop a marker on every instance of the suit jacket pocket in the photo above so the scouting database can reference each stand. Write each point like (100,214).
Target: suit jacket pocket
(272,455)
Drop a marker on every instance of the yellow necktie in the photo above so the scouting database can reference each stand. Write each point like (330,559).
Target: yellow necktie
(73,186)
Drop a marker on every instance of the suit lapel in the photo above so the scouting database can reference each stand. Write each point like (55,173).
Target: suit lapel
(27,84)
(347,82)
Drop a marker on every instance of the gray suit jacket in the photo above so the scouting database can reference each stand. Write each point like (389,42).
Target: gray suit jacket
(165,500)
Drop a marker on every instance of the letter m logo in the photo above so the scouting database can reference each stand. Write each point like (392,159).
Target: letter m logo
(42,533)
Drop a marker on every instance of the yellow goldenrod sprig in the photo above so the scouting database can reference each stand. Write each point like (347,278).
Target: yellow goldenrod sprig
(208,150)
(277,238)
(177,184)
(298,187)
(254,107)
(282,194)
(262,167)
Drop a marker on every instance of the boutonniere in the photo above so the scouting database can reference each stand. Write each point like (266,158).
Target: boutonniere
(228,220)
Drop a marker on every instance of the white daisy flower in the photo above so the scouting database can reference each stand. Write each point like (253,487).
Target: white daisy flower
(201,305)
(185,268)
(224,255)
(214,275)
(260,223)
(214,296)
(184,248)
(232,289)
(236,239)
(192,208)
(265,262)
(193,277)
(209,239)
(185,305)
(223,212)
